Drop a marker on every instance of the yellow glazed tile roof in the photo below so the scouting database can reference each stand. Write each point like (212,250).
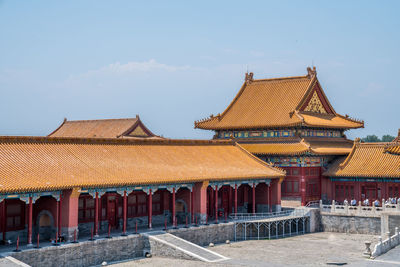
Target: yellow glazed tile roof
(48,163)
(329,121)
(276,148)
(275,103)
(366,160)
(109,128)
(393,148)
(301,147)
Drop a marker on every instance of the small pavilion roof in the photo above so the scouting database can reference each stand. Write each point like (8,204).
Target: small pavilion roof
(279,102)
(366,160)
(342,147)
(51,163)
(108,128)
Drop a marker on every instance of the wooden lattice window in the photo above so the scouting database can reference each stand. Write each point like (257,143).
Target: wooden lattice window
(15,214)
(86,208)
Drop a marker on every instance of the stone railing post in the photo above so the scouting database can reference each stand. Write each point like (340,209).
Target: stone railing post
(359,207)
(320,204)
(383,204)
(346,208)
(373,208)
(398,206)
(396,236)
(333,208)
(367,252)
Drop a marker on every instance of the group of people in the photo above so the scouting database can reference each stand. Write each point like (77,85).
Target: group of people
(376,203)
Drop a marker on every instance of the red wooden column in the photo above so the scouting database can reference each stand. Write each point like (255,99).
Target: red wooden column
(59,215)
(57,222)
(150,209)
(96,214)
(230,200)
(236,199)
(173,207)
(269,198)
(303,186)
(254,199)
(4,224)
(216,203)
(125,213)
(191,206)
(30,208)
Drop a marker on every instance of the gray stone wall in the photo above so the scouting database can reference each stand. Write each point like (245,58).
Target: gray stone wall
(204,235)
(86,253)
(389,221)
(394,221)
(262,208)
(315,220)
(350,224)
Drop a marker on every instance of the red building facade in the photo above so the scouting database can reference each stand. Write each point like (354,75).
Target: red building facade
(371,171)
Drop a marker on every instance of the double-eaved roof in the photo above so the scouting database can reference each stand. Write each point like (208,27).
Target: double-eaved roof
(108,128)
(52,163)
(339,146)
(367,160)
(279,102)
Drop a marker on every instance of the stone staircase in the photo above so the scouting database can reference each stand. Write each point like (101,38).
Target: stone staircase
(11,262)
(168,245)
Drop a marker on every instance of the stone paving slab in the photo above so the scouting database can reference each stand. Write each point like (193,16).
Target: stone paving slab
(315,249)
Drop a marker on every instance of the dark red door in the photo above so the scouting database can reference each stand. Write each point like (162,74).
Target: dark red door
(112,212)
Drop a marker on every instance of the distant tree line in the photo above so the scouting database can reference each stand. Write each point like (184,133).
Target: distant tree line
(374,138)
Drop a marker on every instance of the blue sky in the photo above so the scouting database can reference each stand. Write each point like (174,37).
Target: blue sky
(173,62)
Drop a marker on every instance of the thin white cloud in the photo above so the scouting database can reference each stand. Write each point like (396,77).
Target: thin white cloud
(145,66)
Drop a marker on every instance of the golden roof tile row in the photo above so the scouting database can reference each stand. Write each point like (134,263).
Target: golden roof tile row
(278,102)
(108,128)
(366,160)
(47,163)
(298,148)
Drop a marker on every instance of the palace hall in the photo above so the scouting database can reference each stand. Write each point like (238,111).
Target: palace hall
(290,123)
(371,171)
(279,143)
(119,177)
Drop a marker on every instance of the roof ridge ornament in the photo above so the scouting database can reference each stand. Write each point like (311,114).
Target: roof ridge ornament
(311,72)
(248,77)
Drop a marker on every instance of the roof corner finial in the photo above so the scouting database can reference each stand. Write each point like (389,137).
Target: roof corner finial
(248,77)
(311,72)
(398,133)
(65,119)
(357,140)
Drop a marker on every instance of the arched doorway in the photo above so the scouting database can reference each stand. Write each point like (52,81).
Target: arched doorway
(45,225)
(45,212)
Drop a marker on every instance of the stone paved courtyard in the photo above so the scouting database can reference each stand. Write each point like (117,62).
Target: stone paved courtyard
(316,249)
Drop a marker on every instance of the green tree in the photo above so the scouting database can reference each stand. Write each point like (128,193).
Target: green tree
(371,138)
(387,138)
